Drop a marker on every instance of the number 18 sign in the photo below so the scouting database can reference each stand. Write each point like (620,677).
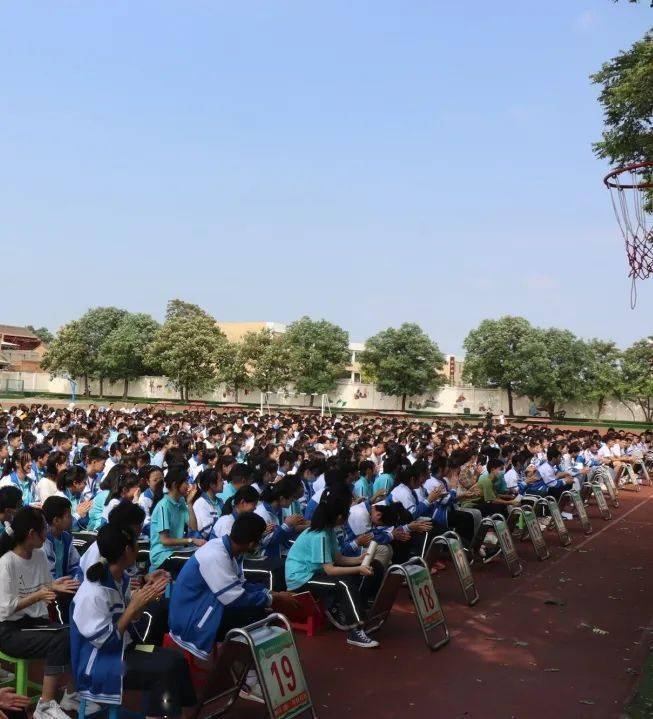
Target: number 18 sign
(281,672)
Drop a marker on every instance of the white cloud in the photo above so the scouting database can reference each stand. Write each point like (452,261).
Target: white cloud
(585,21)
(540,282)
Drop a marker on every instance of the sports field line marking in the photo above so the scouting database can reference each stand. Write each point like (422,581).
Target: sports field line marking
(552,565)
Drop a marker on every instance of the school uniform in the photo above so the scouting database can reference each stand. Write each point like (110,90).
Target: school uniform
(363,488)
(312,503)
(96,510)
(207,511)
(383,482)
(554,485)
(105,663)
(224,524)
(26,486)
(92,486)
(145,501)
(79,523)
(209,594)
(169,516)
(305,573)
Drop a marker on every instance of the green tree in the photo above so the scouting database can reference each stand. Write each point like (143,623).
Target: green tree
(187,351)
(96,325)
(43,333)
(319,353)
(637,369)
(184,310)
(267,359)
(492,354)
(233,368)
(554,365)
(627,99)
(603,375)
(403,362)
(121,355)
(68,354)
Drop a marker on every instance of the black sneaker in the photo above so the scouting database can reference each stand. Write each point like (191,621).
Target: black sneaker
(336,616)
(358,638)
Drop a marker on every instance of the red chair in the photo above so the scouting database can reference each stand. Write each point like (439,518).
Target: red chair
(310,618)
(199,670)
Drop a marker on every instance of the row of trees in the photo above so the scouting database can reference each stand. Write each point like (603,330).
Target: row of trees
(554,366)
(551,366)
(108,343)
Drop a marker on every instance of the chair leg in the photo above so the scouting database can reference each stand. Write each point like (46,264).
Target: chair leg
(21,678)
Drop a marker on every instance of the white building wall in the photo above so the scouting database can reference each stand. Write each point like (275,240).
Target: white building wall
(356,396)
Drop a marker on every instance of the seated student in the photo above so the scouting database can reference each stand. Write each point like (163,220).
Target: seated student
(124,488)
(100,499)
(62,555)
(56,463)
(267,474)
(279,533)
(11,500)
(105,659)
(17,471)
(363,486)
(489,501)
(245,500)
(235,476)
(445,476)
(172,520)
(39,454)
(70,484)
(206,504)
(211,596)
(556,481)
(151,491)
(26,588)
(96,458)
(378,522)
(385,481)
(315,564)
(115,455)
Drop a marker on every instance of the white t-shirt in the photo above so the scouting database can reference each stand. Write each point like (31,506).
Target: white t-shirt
(20,577)
(511,478)
(46,488)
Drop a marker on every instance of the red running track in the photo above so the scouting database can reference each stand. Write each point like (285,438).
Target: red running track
(511,655)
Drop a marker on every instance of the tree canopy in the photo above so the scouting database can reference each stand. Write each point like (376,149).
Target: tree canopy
(68,353)
(318,352)
(267,358)
(122,354)
(187,350)
(492,354)
(403,362)
(637,385)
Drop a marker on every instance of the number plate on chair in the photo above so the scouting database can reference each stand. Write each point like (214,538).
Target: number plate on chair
(282,674)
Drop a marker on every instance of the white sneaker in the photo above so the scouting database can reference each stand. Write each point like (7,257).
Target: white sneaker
(567,515)
(70,701)
(49,710)
(252,692)
(6,677)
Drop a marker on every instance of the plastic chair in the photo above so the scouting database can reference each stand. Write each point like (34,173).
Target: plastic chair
(312,619)
(199,671)
(23,683)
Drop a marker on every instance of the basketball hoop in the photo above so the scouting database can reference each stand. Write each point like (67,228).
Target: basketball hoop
(631,191)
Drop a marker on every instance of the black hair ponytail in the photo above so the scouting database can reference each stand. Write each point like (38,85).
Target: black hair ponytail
(244,494)
(112,542)
(26,520)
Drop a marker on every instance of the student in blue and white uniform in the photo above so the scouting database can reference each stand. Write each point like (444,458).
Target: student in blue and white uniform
(556,481)
(124,488)
(96,458)
(60,550)
(385,481)
(18,472)
(367,522)
(207,504)
(70,484)
(363,485)
(279,534)
(104,657)
(244,501)
(211,596)
(151,485)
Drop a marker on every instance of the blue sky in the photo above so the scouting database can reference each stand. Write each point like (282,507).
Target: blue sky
(370,163)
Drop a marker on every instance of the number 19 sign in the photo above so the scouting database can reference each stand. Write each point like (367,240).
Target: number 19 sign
(283,677)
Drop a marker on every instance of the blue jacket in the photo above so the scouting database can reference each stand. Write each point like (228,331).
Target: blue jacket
(71,566)
(96,647)
(211,580)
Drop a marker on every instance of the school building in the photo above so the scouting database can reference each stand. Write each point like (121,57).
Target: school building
(20,349)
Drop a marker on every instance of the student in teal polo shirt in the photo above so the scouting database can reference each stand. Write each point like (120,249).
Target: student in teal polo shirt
(172,519)
(386,480)
(314,564)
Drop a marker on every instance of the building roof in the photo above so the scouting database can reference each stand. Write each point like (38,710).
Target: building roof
(17,331)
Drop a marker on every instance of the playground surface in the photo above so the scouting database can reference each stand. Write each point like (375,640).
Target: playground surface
(568,638)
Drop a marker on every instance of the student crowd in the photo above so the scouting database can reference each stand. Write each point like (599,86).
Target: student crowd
(195,523)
